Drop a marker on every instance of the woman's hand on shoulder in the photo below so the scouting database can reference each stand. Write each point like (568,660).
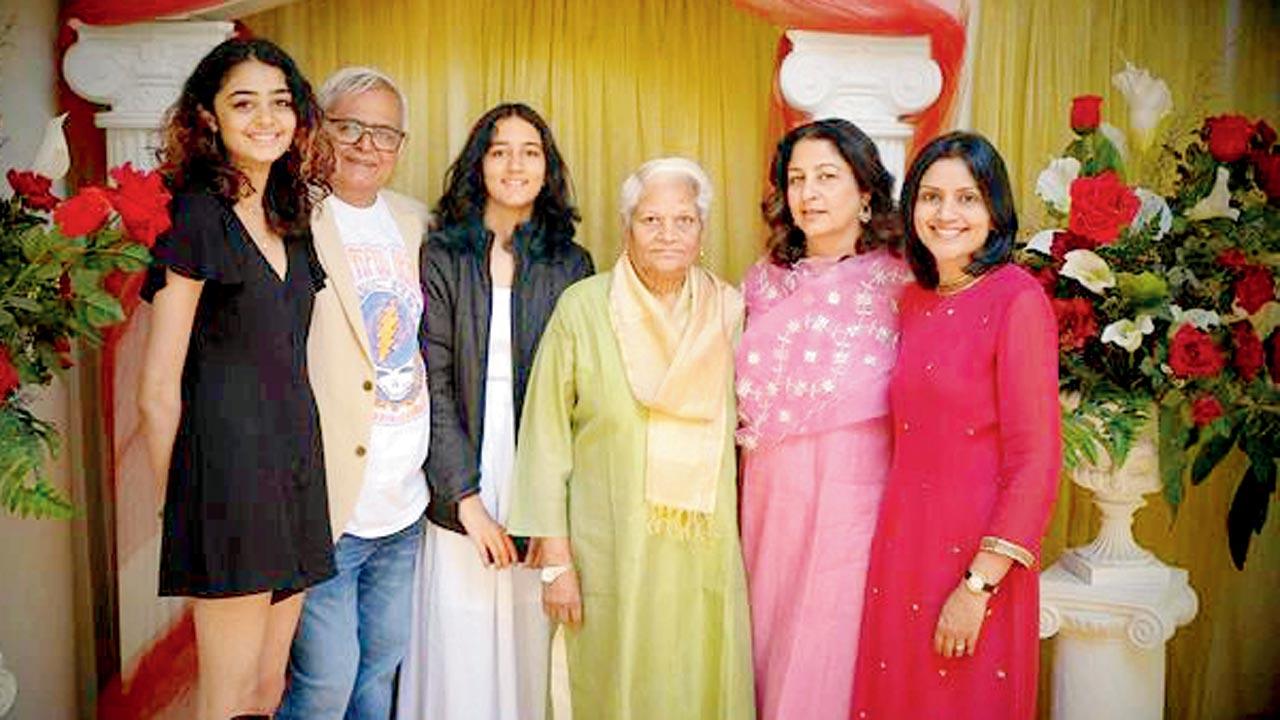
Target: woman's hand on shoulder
(490,539)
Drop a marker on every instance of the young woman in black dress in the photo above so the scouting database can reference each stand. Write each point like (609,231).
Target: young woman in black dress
(226,406)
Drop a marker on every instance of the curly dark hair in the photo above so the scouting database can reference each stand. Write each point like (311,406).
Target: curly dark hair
(465,196)
(786,243)
(988,170)
(193,158)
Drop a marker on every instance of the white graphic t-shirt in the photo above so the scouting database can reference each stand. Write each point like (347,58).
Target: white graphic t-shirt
(394,494)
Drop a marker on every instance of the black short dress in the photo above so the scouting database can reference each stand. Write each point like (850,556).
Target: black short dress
(246,509)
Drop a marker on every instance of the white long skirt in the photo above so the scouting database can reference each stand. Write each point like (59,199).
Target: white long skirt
(480,644)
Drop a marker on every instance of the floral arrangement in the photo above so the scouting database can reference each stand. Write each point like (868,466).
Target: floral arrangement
(63,266)
(1163,278)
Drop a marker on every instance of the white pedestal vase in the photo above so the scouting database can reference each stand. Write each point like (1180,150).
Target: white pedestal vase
(1112,605)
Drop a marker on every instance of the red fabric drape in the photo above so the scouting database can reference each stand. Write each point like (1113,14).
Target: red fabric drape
(871,17)
(114,12)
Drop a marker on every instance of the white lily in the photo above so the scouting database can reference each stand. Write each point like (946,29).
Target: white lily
(1054,183)
(1148,98)
(1128,333)
(1217,203)
(1089,269)
(1116,136)
(1042,242)
(1153,205)
(1199,317)
(52,158)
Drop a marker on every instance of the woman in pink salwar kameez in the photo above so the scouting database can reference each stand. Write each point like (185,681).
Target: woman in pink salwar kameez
(812,377)
(949,629)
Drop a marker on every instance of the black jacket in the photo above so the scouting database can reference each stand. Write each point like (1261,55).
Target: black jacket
(455,341)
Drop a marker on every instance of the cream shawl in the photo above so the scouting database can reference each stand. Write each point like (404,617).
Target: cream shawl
(678,365)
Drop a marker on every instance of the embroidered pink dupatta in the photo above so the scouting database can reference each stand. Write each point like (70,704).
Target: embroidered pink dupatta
(818,347)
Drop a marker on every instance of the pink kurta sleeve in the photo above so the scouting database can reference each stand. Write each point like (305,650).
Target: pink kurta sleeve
(1029,427)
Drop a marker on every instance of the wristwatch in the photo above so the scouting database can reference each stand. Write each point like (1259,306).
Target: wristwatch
(973,582)
(551,572)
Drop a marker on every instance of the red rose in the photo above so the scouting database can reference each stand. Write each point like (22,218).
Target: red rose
(1076,322)
(1086,113)
(9,380)
(1205,410)
(142,201)
(1266,172)
(1232,259)
(1193,354)
(62,346)
(1064,242)
(1048,278)
(1248,356)
(1228,136)
(33,189)
(1101,206)
(1264,136)
(84,213)
(1255,288)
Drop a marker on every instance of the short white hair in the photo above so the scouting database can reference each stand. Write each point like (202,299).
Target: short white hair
(356,79)
(679,167)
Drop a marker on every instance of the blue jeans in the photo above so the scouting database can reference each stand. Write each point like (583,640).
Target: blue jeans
(354,631)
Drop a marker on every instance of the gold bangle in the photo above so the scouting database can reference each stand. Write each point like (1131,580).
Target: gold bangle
(1011,550)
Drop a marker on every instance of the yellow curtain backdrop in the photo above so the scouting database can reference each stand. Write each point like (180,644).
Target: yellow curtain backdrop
(619,83)
(1031,59)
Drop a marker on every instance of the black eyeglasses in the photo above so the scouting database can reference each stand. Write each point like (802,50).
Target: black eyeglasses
(350,131)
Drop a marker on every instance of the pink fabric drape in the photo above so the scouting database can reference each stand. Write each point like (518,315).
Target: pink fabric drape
(945,29)
(817,336)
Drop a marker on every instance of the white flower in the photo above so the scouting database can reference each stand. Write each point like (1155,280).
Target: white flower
(1153,205)
(1054,183)
(1202,319)
(53,159)
(1217,203)
(1116,136)
(1042,242)
(1148,98)
(1088,269)
(1128,333)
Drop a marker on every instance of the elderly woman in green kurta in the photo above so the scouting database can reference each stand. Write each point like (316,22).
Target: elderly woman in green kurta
(625,470)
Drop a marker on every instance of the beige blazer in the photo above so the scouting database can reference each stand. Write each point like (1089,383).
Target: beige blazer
(340,362)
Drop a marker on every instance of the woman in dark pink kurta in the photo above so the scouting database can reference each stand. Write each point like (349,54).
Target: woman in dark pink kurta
(975,463)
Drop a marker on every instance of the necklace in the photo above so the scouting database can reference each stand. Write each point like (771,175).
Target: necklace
(954,286)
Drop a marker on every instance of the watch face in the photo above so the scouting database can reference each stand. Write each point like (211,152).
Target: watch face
(975,583)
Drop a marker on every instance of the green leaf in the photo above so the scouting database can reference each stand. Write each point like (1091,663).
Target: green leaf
(23,303)
(102,309)
(1172,434)
(1212,450)
(1248,512)
(1144,290)
(133,257)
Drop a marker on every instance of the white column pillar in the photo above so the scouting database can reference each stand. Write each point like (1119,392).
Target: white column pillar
(871,81)
(1109,651)
(138,70)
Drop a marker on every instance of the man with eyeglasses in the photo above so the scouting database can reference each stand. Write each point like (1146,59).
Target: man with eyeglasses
(370,386)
